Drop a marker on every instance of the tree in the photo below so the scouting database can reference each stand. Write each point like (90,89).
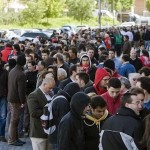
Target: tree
(52,8)
(32,14)
(121,4)
(80,9)
(148,5)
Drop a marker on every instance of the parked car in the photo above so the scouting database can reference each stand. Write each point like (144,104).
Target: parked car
(31,35)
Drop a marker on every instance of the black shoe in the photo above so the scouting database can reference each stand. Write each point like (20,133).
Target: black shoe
(21,141)
(16,143)
(3,139)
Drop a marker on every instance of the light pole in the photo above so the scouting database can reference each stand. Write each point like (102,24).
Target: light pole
(99,13)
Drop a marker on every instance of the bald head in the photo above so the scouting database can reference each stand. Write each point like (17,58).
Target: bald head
(47,84)
(133,53)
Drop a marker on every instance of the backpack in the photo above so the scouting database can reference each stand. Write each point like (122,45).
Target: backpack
(47,117)
(118,39)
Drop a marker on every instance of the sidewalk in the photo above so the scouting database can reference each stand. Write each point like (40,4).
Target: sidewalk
(27,146)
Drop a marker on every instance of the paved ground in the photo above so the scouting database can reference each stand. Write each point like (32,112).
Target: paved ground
(27,146)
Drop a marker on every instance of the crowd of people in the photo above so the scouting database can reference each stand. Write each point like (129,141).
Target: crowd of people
(86,91)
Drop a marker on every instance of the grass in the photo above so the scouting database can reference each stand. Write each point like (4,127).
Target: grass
(58,22)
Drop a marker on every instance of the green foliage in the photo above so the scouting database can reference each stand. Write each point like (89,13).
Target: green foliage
(52,8)
(121,4)
(33,14)
(148,5)
(80,9)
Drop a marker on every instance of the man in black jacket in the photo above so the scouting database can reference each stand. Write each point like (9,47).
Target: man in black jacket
(123,130)
(61,107)
(70,133)
(3,100)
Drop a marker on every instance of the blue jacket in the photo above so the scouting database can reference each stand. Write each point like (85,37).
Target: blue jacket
(125,69)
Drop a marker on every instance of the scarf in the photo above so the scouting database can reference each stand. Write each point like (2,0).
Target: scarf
(97,121)
(85,68)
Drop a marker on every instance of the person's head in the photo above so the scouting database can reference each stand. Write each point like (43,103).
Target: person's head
(133,53)
(66,57)
(47,85)
(61,74)
(98,106)
(130,101)
(101,50)
(90,52)
(21,60)
(144,71)
(41,66)
(126,38)
(82,79)
(35,56)
(144,83)
(33,47)
(80,104)
(111,54)
(16,47)
(45,54)
(133,78)
(59,57)
(28,58)
(109,64)
(72,52)
(145,53)
(114,86)
(85,60)
(125,84)
(101,78)
(125,58)
(139,92)
(31,65)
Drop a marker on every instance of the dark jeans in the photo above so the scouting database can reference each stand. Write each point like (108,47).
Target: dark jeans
(54,147)
(118,49)
(15,110)
(3,115)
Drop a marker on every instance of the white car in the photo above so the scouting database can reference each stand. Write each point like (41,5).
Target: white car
(127,24)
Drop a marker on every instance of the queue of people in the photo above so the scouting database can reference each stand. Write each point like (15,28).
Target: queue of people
(86,91)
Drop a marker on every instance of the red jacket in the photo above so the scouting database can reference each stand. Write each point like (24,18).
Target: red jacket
(108,43)
(6,53)
(100,74)
(145,60)
(112,104)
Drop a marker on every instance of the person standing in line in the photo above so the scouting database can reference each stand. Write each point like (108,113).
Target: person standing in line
(16,99)
(70,132)
(36,102)
(3,100)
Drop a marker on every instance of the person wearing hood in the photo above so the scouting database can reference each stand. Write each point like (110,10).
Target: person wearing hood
(87,67)
(94,121)
(61,107)
(100,83)
(6,52)
(71,131)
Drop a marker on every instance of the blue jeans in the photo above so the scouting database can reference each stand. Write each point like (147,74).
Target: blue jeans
(147,45)
(54,147)
(3,115)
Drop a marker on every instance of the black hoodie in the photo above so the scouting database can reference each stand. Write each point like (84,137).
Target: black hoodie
(71,134)
(61,107)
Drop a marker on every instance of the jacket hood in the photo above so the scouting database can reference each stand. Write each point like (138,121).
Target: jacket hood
(78,103)
(8,48)
(124,111)
(69,90)
(100,74)
(85,55)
